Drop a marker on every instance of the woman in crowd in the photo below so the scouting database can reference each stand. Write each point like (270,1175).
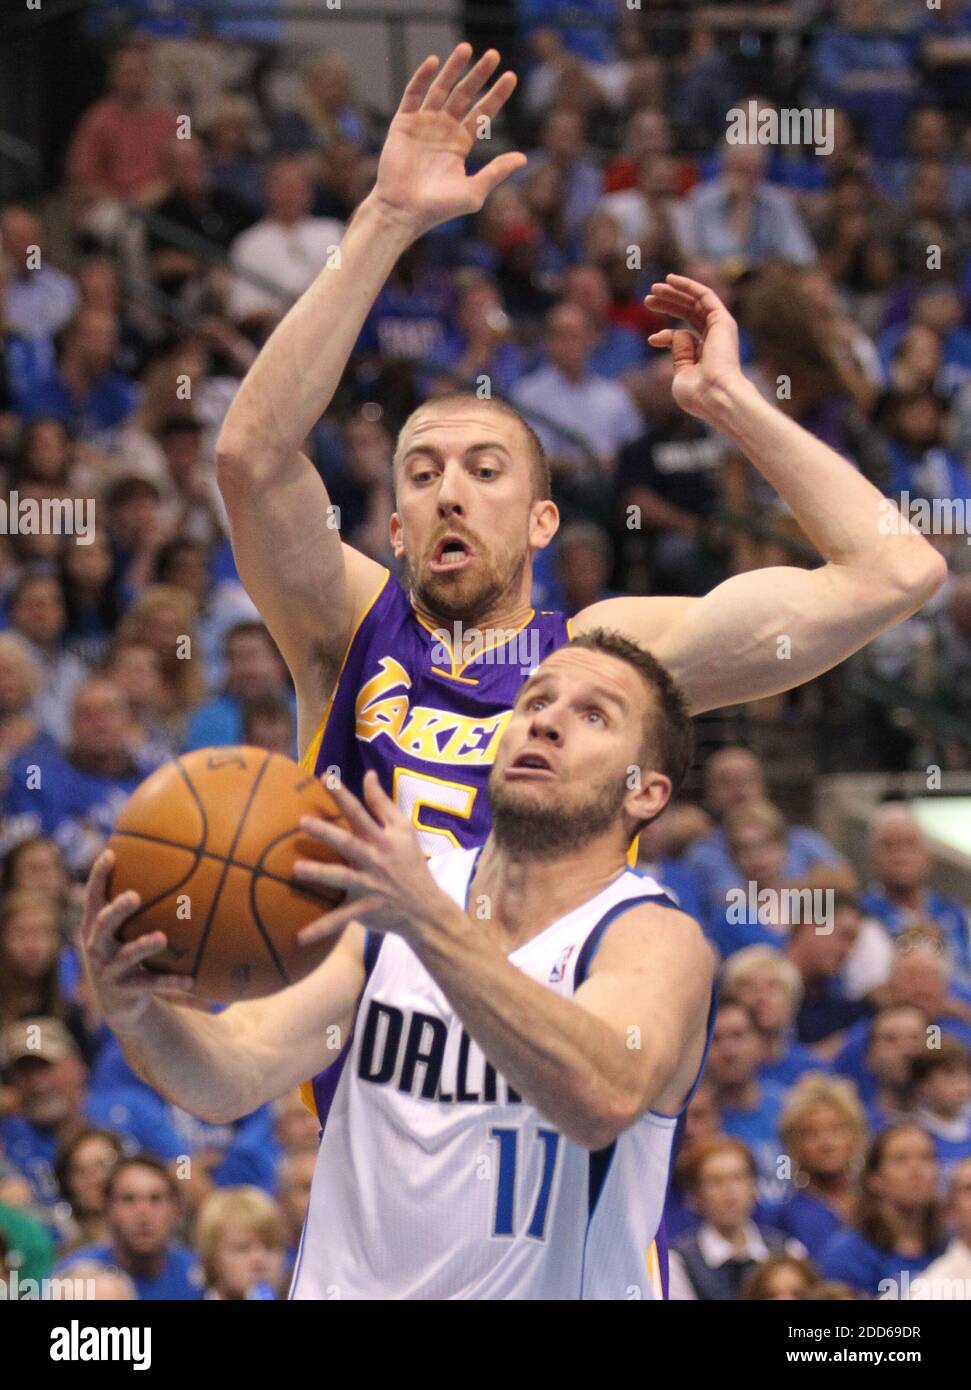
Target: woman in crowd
(899,1228)
(823,1130)
(30,946)
(82,1168)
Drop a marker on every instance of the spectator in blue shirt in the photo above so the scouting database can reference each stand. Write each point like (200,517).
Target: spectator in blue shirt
(48,1077)
(254,669)
(142,1213)
(771,986)
(582,561)
(38,615)
(733,779)
(756,911)
(942,1088)
(85,391)
(75,797)
(867,73)
(900,895)
(241,1237)
(823,1130)
(616,350)
(749,1106)
(821,958)
(878,1058)
(594,40)
(40,300)
(575,402)
(741,217)
(480,346)
(83,1165)
(920,464)
(562,142)
(899,1227)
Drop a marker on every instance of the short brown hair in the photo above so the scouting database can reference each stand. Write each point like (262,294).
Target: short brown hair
(668,731)
(950,1056)
(538,462)
(697,1152)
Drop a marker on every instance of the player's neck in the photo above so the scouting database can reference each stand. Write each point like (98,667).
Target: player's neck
(527,893)
(509,613)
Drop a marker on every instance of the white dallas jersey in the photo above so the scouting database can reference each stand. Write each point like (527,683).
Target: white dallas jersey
(435,1180)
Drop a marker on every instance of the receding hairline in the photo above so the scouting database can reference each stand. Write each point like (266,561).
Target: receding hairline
(535,458)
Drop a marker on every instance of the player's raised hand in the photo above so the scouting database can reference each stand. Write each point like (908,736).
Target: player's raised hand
(385,874)
(421,173)
(122,985)
(705,356)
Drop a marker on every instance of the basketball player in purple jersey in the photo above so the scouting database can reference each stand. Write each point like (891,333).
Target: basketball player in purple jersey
(378,685)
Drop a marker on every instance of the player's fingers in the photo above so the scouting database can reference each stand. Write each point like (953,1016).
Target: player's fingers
(662,338)
(96,888)
(335,921)
(335,837)
(492,102)
(355,813)
(130,956)
(310,872)
(462,96)
(102,942)
(706,299)
(496,171)
(667,301)
(171,984)
(438,93)
(378,801)
(414,93)
(684,348)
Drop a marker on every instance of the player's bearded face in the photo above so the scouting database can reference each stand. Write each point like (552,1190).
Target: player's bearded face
(552,818)
(495,569)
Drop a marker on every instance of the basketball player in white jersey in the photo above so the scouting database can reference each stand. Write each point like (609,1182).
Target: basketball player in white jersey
(528,1017)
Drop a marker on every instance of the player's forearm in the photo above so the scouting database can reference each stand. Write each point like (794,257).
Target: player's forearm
(569,1064)
(195,1059)
(296,374)
(843,514)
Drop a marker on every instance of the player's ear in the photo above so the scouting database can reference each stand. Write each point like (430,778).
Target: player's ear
(648,793)
(544,522)
(394,531)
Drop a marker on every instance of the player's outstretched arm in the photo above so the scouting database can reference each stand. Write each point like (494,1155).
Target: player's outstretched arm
(218,1066)
(771,629)
(309,588)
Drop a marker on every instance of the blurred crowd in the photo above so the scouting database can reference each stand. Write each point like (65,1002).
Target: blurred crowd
(829,1146)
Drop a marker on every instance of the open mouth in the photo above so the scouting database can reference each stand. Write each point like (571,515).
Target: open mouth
(530,765)
(451,553)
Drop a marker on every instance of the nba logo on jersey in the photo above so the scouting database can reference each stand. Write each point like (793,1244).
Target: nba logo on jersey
(559,969)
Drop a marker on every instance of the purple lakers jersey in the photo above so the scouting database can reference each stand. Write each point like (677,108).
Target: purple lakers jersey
(425,707)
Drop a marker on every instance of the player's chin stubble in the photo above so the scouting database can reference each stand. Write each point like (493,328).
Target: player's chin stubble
(466,596)
(542,828)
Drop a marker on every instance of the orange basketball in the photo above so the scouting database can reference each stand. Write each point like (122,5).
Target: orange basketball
(209,842)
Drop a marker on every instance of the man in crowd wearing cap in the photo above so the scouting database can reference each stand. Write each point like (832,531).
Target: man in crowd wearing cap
(45,1071)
